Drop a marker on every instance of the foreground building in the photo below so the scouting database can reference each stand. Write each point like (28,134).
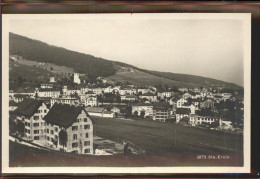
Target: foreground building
(31,112)
(77,124)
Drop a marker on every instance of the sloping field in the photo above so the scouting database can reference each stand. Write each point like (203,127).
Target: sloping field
(142,78)
(159,138)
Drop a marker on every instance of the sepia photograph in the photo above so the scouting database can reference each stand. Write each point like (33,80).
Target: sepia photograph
(126,93)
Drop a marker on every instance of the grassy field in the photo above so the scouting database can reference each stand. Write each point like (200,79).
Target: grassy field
(47,66)
(159,138)
(141,78)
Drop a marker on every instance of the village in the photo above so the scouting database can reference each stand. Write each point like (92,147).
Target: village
(60,117)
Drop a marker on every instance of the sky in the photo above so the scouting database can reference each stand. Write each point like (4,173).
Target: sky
(204,47)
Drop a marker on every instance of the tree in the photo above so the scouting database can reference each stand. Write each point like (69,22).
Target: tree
(142,114)
(20,128)
(128,111)
(51,69)
(136,113)
(63,138)
(184,121)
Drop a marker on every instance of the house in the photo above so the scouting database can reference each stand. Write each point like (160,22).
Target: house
(161,111)
(128,98)
(95,111)
(77,124)
(12,105)
(146,108)
(97,91)
(91,101)
(126,90)
(190,106)
(181,113)
(52,80)
(186,95)
(183,89)
(199,119)
(45,85)
(65,100)
(142,90)
(115,110)
(180,102)
(164,94)
(108,114)
(17,98)
(31,112)
(47,92)
(207,103)
(149,96)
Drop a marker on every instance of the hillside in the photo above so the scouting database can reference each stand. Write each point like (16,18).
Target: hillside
(34,50)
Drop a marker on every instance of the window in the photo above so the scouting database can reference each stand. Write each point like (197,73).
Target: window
(35,117)
(74,145)
(86,143)
(56,129)
(28,131)
(75,136)
(36,138)
(85,120)
(74,128)
(86,135)
(36,131)
(35,124)
(45,110)
(48,131)
(51,131)
(86,126)
(56,137)
(48,138)
(39,111)
(87,151)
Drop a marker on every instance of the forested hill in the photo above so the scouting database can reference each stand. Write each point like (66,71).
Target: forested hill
(35,50)
(38,51)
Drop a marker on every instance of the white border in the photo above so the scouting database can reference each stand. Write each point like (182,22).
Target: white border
(245,17)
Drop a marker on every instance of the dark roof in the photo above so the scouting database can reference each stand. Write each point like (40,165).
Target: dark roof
(148,94)
(141,104)
(95,109)
(183,111)
(63,114)
(48,89)
(161,105)
(28,107)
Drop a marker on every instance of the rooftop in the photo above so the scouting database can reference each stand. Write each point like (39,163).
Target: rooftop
(63,114)
(95,109)
(183,111)
(28,107)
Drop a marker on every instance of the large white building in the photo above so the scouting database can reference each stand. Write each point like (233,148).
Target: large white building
(76,78)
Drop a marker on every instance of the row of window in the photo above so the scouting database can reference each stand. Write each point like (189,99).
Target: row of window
(75,136)
(40,111)
(75,128)
(76,144)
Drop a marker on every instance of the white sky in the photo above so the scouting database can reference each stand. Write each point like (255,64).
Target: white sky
(210,48)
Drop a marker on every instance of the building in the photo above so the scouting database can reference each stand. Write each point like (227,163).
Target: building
(186,95)
(199,119)
(149,96)
(76,122)
(207,103)
(95,111)
(65,100)
(183,89)
(45,85)
(76,78)
(161,111)
(181,113)
(47,92)
(128,98)
(164,94)
(91,101)
(31,112)
(52,80)
(126,90)
(146,108)
(181,102)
